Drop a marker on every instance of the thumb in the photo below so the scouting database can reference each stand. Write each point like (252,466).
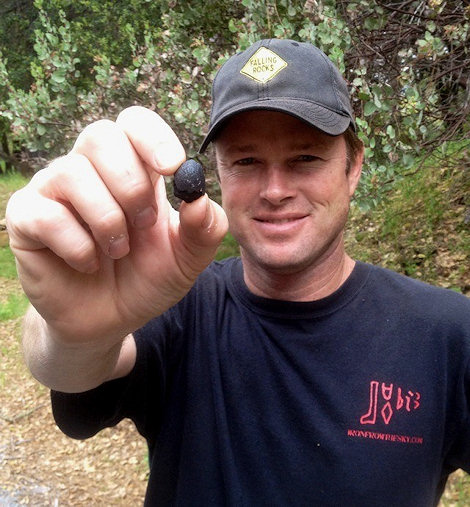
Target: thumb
(203,225)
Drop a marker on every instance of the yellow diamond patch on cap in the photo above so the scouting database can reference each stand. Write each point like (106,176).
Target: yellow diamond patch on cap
(263,65)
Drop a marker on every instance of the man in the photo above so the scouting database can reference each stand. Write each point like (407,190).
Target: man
(294,376)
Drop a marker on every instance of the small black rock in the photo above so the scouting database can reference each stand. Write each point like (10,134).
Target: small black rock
(189,183)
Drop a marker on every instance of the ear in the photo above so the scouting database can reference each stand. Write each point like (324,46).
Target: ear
(355,170)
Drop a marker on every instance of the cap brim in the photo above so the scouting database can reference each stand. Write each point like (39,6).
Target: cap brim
(317,116)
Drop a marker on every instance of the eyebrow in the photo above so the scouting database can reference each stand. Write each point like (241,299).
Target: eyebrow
(243,148)
(249,148)
(305,146)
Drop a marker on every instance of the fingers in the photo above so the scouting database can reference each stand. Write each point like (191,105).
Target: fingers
(203,224)
(68,208)
(107,148)
(75,182)
(106,185)
(35,222)
(129,156)
(110,183)
(152,138)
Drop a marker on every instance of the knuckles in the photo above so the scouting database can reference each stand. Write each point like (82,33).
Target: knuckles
(137,191)
(138,115)
(81,254)
(96,135)
(105,225)
(133,113)
(59,171)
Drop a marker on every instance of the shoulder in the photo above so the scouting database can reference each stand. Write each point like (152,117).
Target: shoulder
(217,275)
(221,269)
(421,298)
(410,285)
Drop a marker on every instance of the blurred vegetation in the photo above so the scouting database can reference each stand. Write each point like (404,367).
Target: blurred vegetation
(422,228)
(65,63)
(13,302)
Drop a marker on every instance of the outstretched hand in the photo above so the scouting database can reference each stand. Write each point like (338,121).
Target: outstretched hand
(99,249)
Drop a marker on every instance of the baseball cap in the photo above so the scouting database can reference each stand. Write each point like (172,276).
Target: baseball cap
(281,75)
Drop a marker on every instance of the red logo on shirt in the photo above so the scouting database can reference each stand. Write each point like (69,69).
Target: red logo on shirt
(385,400)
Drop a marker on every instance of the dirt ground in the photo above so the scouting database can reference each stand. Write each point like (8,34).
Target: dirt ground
(40,466)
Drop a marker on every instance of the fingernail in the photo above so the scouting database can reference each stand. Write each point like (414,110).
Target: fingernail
(145,218)
(118,247)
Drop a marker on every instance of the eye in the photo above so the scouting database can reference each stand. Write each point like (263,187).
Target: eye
(306,158)
(245,161)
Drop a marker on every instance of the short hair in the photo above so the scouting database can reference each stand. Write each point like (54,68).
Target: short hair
(354,147)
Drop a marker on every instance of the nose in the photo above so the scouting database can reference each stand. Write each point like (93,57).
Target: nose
(276,185)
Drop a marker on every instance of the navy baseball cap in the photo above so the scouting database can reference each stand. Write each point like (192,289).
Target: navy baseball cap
(281,75)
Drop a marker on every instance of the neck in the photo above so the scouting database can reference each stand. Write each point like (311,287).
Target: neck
(308,284)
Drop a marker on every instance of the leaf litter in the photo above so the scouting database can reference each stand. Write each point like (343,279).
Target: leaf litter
(40,466)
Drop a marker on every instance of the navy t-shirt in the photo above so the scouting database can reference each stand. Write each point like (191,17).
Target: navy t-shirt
(358,399)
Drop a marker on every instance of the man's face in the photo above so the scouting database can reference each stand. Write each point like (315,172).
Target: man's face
(285,190)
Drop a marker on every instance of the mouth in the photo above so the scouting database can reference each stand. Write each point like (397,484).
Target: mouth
(282,225)
(279,220)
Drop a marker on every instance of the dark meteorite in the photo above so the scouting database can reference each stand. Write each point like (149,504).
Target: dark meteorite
(189,183)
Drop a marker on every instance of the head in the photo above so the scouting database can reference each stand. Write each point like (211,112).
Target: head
(287,155)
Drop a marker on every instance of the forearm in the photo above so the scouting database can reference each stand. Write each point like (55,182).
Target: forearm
(74,367)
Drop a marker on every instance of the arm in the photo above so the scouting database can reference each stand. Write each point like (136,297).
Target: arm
(75,367)
(100,251)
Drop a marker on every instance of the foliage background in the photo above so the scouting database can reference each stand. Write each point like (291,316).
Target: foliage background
(65,63)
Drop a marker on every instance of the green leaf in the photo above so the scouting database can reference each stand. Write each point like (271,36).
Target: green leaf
(361,123)
(412,133)
(358,81)
(368,153)
(52,39)
(58,76)
(391,132)
(186,77)
(232,27)
(372,23)
(407,159)
(369,108)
